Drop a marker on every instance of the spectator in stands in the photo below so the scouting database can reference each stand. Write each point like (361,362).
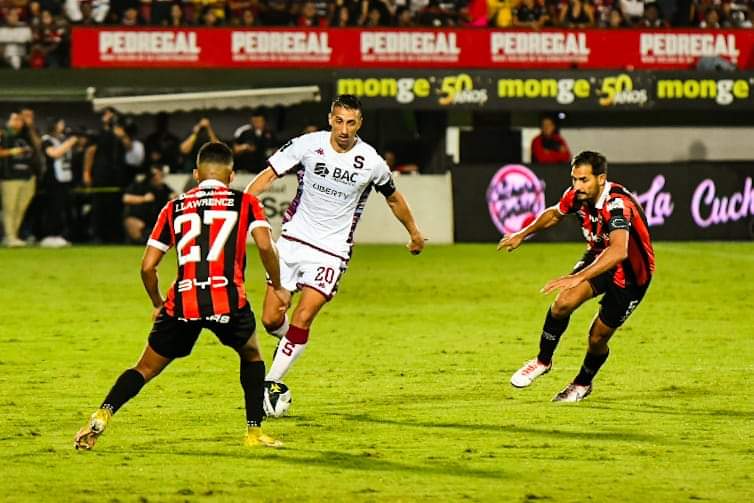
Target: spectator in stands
(82,13)
(548,147)
(308,17)
(177,17)
(252,143)
(501,12)
(14,53)
(375,18)
(357,10)
(161,147)
(529,14)
(576,14)
(711,19)
(143,201)
(59,147)
(405,18)
(33,14)
(49,42)
(131,17)
(118,8)
(341,18)
(615,19)
(653,17)
(248,19)
(17,158)
(201,133)
(106,173)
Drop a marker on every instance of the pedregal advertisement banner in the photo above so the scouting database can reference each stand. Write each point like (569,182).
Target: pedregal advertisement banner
(118,47)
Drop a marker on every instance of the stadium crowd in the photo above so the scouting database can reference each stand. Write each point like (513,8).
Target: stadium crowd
(49,21)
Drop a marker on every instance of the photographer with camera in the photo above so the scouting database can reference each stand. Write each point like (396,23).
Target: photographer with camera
(58,147)
(201,133)
(106,174)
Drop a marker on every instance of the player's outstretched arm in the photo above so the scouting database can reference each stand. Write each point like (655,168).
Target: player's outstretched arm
(613,255)
(261,182)
(548,218)
(270,261)
(149,263)
(401,210)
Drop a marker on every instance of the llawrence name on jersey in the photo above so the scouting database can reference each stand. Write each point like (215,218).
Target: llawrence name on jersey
(208,227)
(333,189)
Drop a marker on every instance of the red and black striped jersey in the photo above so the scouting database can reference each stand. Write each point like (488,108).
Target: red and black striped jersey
(208,227)
(616,208)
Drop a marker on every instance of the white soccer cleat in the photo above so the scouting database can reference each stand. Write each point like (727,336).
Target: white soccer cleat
(573,393)
(530,371)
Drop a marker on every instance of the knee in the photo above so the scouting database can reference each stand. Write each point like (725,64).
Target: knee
(303,318)
(250,354)
(147,372)
(561,308)
(272,321)
(597,341)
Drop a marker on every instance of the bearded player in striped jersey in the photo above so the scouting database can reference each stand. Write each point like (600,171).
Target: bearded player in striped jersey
(618,265)
(208,227)
(336,172)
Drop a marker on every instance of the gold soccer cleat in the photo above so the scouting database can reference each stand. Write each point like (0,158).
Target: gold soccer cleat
(87,436)
(255,438)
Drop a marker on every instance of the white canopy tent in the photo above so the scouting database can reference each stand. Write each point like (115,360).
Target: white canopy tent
(186,102)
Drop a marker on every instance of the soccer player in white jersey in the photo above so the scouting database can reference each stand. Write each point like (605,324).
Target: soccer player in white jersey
(336,172)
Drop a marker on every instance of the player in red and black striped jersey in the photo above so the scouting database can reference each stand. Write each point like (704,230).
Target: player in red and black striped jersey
(619,263)
(208,227)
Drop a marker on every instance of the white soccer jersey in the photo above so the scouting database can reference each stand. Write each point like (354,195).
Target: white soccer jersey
(332,189)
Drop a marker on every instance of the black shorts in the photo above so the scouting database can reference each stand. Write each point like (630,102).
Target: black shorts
(173,337)
(617,303)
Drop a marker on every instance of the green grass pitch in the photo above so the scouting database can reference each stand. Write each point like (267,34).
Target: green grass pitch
(402,394)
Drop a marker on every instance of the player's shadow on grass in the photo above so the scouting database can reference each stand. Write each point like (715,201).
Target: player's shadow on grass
(626,436)
(366,461)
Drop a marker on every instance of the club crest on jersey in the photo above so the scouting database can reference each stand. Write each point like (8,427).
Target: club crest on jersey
(515,197)
(321,169)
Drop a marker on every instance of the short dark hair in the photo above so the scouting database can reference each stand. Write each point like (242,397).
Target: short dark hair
(596,160)
(214,152)
(347,101)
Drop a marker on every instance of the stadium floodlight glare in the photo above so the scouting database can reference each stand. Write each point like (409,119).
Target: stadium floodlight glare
(187,102)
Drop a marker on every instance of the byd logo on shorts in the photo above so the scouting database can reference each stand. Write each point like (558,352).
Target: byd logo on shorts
(515,197)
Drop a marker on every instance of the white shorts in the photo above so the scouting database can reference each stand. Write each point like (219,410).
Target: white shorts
(302,265)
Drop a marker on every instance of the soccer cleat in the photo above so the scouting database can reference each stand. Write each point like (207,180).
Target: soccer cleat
(87,436)
(530,371)
(255,438)
(573,393)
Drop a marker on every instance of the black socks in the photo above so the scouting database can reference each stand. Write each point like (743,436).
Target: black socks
(550,337)
(125,388)
(252,382)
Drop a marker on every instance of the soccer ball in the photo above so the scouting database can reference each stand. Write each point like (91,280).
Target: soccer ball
(277,399)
